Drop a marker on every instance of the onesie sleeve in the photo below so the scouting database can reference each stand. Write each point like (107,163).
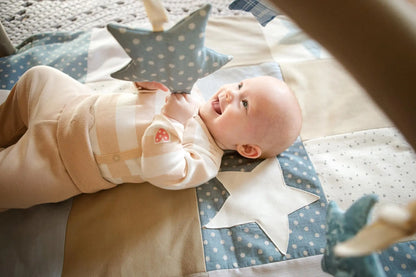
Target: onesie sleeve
(177,157)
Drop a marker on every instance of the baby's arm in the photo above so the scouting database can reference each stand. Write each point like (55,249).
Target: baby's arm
(177,152)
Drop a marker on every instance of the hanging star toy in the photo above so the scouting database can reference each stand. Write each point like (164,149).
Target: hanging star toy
(176,57)
(342,226)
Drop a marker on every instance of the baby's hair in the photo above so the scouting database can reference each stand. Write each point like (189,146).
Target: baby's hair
(283,126)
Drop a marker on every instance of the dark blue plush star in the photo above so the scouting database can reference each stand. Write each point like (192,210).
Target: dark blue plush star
(342,226)
(176,58)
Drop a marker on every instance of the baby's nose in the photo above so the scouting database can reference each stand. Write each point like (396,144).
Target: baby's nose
(229,95)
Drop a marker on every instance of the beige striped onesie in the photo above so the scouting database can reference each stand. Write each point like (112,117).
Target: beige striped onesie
(59,139)
(133,143)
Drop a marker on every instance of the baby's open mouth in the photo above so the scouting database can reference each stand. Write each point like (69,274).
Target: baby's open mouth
(216,106)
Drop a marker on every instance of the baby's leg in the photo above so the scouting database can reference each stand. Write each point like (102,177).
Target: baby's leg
(12,123)
(31,169)
(22,104)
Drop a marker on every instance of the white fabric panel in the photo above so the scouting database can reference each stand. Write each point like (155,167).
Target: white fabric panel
(377,161)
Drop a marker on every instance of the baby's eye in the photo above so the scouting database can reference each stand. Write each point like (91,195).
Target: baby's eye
(240,85)
(245,103)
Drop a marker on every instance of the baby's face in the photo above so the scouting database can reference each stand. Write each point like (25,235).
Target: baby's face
(237,113)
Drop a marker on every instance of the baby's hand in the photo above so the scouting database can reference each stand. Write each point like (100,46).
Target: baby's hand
(180,107)
(150,86)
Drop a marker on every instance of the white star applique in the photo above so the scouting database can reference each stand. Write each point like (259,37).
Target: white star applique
(261,196)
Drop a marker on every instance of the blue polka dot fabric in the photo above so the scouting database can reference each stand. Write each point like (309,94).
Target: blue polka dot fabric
(399,260)
(247,245)
(67,52)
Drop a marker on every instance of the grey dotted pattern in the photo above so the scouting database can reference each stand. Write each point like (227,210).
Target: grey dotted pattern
(375,161)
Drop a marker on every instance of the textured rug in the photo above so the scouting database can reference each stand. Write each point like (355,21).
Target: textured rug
(23,18)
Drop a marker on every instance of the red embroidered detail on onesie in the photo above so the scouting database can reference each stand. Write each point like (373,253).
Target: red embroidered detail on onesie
(162,136)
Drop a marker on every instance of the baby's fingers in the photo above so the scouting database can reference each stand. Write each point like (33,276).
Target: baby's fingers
(151,85)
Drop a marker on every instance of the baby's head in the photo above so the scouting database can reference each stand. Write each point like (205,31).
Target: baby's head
(258,117)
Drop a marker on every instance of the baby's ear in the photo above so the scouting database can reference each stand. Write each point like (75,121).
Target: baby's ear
(250,151)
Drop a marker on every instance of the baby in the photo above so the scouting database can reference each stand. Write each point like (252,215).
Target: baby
(58,139)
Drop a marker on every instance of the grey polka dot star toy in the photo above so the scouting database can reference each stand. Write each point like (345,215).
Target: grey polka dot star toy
(176,57)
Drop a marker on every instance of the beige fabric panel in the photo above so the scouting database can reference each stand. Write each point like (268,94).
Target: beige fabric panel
(380,53)
(240,37)
(332,102)
(134,230)
(287,43)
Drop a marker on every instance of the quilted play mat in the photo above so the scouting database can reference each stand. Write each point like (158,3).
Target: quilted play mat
(256,218)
